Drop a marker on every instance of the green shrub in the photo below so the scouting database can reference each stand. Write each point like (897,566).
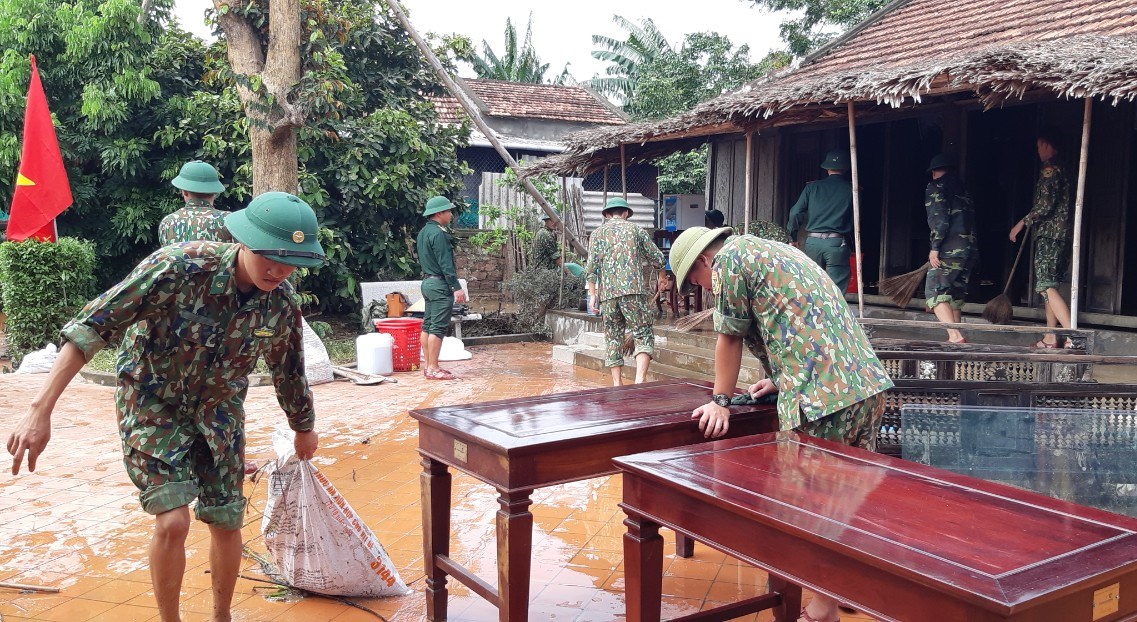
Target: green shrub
(537,290)
(44,285)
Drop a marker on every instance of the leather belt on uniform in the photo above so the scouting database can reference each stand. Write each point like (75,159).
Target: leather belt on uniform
(433,276)
(825,236)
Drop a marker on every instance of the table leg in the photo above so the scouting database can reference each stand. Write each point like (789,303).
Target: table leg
(643,569)
(684,545)
(514,555)
(435,484)
(790,607)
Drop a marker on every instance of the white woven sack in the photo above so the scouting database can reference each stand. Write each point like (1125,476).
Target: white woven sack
(315,539)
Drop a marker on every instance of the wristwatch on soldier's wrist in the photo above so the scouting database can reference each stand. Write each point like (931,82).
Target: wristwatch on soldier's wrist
(722,399)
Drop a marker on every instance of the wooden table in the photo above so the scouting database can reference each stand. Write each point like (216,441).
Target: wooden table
(897,540)
(519,445)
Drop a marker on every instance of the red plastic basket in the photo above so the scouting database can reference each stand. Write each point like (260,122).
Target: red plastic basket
(405,330)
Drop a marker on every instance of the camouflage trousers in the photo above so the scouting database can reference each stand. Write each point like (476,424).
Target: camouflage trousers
(856,425)
(949,282)
(627,312)
(181,467)
(1051,258)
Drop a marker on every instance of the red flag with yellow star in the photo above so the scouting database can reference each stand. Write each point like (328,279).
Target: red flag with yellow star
(42,191)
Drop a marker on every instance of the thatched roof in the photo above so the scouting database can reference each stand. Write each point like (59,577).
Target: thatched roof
(1081,66)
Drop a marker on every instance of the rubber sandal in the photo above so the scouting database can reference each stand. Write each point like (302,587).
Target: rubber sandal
(805,617)
(1042,345)
(440,374)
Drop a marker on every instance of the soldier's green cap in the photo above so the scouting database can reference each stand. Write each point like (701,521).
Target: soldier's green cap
(574,269)
(279,226)
(942,160)
(689,245)
(836,160)
(618,202)
(200,177)
(437,204)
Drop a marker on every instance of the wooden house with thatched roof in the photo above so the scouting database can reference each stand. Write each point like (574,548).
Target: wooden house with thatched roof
(978,78)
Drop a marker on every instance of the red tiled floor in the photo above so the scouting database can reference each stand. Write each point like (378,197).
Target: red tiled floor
(76,524)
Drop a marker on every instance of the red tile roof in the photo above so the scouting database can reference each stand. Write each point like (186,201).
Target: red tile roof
(918,31)
(531,101)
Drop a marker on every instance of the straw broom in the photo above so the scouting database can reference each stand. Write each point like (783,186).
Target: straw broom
(899,289)
(1000,310)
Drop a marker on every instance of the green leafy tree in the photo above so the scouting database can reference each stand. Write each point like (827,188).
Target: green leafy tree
(517,63)
(643,44)
(706,66)
(112,84)
(819,20)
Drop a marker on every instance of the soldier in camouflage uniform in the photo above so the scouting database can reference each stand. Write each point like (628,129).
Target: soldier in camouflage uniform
(618,252)
(209,311)
(954,253)
(546,249)
(781,305)
(1051,218)
(198,220)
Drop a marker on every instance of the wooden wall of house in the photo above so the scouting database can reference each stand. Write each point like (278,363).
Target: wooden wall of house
(998,160)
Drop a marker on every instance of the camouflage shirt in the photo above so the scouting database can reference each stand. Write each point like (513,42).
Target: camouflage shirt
(203,338)
(196,221)
(951,217)
(791,316)
(769,231)
(546,251)
(618,252)
(1050,216)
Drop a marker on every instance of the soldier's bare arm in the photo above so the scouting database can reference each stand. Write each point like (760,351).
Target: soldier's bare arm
(714,420)
(34,430)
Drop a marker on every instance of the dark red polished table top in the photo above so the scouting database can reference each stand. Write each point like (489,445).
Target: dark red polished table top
(542,440)
(994,545)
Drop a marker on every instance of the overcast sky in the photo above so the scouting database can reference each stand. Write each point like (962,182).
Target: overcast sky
(562,31)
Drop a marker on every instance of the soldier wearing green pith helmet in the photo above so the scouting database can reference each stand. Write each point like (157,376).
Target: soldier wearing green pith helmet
(199,184)
(825,209)
(440,286)
(772,298)
(953,251)
(210,310)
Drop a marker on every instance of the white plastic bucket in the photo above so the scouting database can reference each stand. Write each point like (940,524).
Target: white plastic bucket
(373,353)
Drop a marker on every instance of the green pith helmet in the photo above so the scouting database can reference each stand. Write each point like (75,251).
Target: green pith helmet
(689,245)
(574,269)
(618,202)
(836,160)
(436,205)
(279,226)
(942,160)
(200,177)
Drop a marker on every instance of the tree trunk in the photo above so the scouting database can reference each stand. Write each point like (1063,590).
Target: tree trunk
(272,128)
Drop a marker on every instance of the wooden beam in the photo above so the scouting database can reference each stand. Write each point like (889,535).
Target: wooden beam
(476,116)
(1079,203)
(856,210)
(746,191)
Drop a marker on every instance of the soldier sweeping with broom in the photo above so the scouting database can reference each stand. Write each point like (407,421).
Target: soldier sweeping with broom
(953,254)
(1050,220)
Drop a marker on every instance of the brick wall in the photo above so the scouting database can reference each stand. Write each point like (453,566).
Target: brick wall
(484,271)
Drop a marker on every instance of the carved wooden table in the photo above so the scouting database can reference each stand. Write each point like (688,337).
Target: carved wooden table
(523,444)
(897,540)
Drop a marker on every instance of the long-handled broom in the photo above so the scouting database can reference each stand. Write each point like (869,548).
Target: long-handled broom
(900,289)
(1000,310)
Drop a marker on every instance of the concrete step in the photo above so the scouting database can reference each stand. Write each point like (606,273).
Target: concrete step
(702,361)
(596,340)
(593,358)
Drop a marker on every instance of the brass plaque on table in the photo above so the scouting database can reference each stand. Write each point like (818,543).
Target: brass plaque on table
(460,454)
(1106,600)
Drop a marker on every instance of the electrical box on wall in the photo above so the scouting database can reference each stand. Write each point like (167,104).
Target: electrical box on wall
(683,211)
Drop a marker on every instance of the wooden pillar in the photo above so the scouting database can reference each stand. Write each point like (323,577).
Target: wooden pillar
(747,187)
(1079,201)
(856,210)
(623,172)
